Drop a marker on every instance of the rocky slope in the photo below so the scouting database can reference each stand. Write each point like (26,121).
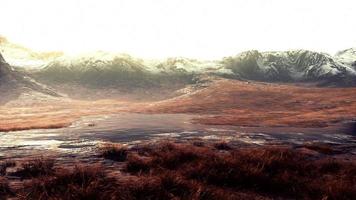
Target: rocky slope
(347,57)
(291,66)
(14,83)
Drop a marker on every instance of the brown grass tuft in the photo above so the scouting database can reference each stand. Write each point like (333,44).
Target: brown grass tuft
(4,165)
(83,182)
(114,152)
(321,148)
(222,146)
(273,171)
(5,190)
(35,168)
(185,171)
(138,165)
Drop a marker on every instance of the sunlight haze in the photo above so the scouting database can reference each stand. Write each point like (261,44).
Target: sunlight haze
(194,28)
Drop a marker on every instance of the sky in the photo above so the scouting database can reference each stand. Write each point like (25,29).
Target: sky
(206,29)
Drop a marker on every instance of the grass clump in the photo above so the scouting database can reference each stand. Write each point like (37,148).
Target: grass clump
(35,168)
(4,165)
(186,171)
(114,152)
(5,190)
(82,182)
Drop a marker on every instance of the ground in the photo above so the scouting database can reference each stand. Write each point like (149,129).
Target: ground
(222,102)
(227,139)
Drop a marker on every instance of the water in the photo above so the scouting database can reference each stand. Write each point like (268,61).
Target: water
(83,137)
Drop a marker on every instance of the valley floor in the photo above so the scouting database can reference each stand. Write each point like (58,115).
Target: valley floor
(227,140)
(222,102)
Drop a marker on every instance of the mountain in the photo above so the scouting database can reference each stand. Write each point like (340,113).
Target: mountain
(14,83)
(101,69)
(19,56)
(291,66)
(347,57)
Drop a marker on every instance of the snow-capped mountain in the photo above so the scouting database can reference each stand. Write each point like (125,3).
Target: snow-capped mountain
(102,68)
(347,57)
(181,64)
(114,69)
(19,56)
(110,69)
(290,66)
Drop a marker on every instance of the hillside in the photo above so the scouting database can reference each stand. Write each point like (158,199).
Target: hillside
(245,103)
(291,66)
(14,83)
(347,57)
(100,69)
(20,56)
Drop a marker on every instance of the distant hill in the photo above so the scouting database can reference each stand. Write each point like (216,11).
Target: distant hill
(102,69)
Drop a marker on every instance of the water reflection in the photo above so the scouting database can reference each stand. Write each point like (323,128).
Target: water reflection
(87,133)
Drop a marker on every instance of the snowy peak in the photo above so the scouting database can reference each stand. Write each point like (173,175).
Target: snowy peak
(347,57)
(96,60)
(19,56)
(290,66)
(181,64)
(107,68)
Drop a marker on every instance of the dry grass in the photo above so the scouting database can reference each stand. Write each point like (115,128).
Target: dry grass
(5,190)
(282,172)
(222,146)
(169,185)
(4,165)
(321,148)
(35,168)
(263,104)
(234,103)
(83,182)
(137,165)
(185,171)
(59,114)
(114,152)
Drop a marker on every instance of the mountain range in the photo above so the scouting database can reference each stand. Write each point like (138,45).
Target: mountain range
(110,70)
(285,66)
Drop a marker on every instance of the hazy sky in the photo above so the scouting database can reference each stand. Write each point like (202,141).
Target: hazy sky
(194,28)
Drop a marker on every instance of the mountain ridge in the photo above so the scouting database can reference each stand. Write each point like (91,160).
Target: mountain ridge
(289,66)
(14,83)
(105,69)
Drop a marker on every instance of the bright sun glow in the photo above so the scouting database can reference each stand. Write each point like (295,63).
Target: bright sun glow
(194,28)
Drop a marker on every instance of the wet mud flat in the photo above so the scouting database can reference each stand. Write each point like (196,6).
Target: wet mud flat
(82,138)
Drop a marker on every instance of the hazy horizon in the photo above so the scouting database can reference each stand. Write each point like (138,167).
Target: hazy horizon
(195,29)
